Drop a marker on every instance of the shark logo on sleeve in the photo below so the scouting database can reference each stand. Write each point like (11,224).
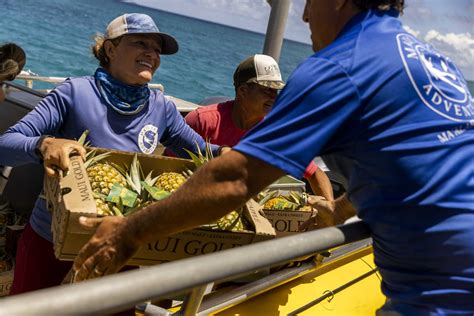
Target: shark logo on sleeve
(438,82)
(148,139)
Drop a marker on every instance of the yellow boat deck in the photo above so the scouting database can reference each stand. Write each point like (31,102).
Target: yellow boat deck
(336,280)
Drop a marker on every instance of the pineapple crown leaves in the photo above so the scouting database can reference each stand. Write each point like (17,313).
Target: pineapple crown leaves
(209,153)
(300,198)
(83,137)
(267,195)
(92,159)
(134,175)
(187,173)
(117,211)
(149,180)
(120,169)
(200,159)
(281,202)
(197,161)
(155,193)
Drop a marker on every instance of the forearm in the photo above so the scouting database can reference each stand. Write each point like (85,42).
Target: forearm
(321,185)
(215,189)
(343,209)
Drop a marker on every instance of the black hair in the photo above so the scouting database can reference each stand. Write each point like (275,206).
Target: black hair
(380,4)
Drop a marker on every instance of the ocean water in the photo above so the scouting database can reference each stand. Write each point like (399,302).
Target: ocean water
(57,34)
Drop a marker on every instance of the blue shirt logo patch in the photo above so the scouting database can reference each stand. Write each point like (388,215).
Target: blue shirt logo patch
(148,139)
(438,82)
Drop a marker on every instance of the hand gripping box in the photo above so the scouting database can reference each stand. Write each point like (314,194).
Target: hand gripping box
(70,197)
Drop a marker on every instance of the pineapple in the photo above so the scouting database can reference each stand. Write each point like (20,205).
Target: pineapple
(103,207)
(232,221)
(292,201)
(278,203)
(103,176)
(170,181)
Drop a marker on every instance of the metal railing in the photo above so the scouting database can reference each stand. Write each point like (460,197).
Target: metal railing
(182,105)
(124,290)
(30,78)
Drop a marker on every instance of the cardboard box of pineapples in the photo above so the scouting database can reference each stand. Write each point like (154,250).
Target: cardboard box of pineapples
(116,183)
(284,204)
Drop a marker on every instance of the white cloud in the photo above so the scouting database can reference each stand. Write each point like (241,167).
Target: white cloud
(411,31)
(458,47)
(463,41)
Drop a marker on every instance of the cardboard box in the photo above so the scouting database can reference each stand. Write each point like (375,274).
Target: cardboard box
(286,222)
(6,280)
(286,184)
(71,197)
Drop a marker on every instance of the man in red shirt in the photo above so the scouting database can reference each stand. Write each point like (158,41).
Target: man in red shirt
(257,80)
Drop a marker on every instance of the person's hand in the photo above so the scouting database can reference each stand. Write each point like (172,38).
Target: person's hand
(323,214)
(55,153)
(107,251)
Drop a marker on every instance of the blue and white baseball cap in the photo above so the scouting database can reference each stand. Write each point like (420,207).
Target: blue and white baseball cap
(138,23)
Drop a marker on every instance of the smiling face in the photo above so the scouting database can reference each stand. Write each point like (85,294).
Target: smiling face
(135,59)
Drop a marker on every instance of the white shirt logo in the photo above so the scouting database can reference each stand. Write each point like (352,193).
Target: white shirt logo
(148,139)
(441,85)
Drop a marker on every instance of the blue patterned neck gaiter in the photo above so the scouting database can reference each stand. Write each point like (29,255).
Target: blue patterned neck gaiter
(125,99)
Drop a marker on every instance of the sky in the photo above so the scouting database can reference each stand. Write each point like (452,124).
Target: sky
(446,24)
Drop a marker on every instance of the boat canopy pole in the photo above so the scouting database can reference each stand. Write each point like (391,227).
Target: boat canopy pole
(276,28)
(113,293)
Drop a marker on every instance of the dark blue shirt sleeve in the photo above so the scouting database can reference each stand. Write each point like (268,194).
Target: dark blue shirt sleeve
(17,144)
(317,102)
